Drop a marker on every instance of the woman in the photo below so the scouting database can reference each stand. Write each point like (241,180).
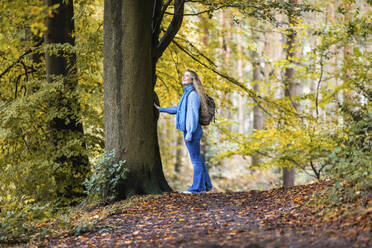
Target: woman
(187,120)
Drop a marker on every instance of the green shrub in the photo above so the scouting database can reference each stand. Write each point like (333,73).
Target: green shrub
(106,175)
(21,219)
(352,158)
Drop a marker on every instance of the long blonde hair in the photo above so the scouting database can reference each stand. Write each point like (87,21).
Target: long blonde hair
(200,90)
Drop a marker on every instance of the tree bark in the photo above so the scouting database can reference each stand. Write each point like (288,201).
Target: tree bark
(72,169)
(158,47)
(225,38)
(268,45)
(258,115)
(178,164)
(131,50)
(205,40)
(128,93)
(347,53)
(292,87)
(240,73)
(288,176)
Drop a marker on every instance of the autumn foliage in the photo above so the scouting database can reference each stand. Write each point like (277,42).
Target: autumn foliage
(279,217)
(292,85)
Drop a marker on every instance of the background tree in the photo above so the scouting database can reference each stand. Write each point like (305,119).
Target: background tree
(292,88)
(67,133)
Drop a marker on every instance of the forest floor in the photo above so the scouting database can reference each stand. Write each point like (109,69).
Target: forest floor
(283,217)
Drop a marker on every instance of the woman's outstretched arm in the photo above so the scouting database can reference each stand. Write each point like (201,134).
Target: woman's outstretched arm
(192,114)
(170,110)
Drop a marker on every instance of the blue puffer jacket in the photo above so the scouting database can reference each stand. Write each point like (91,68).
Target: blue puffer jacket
(187,110)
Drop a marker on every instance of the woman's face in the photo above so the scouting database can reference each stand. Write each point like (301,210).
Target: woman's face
(187,78)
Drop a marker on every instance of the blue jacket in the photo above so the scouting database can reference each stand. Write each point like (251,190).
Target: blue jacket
(187,111)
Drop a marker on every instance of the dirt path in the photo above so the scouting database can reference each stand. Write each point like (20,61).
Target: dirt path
(275,218)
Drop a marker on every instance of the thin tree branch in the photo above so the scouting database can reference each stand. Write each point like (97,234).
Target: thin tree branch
(251,93)
(172,29)
(317,174)
(21,57)
(157,20)
(200,53)
(208,10)
(163,11)
(317,88)
(25,68)
(256,98)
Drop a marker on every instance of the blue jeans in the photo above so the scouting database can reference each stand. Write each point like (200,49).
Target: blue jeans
(201,180)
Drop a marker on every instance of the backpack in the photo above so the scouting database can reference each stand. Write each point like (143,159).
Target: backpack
(205,120)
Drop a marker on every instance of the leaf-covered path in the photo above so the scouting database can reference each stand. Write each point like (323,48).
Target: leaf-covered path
(275,218)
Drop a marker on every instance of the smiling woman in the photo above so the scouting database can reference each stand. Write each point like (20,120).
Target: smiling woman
(187,120)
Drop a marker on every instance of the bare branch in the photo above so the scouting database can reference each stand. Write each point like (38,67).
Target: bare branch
(21,57)
(158,19)
(256,98)
(208,10)
(172,29)
(251,93)
(201,54)
(317,173)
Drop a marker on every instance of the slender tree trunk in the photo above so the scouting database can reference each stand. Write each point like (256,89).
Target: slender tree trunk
(178,164)
(158,167)
(348,52)
(225,57)
(158,46)
(205,41)
(240,73)
(228,62)
(292,87)
(278,54)
(222,40)
(335,69)
(258,115)
(67,129)
(268,45)
(224,113)
(204,30)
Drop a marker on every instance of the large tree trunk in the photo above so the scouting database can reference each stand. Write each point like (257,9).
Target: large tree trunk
(129,116)
(65,129)
(292,87)
(132,49)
